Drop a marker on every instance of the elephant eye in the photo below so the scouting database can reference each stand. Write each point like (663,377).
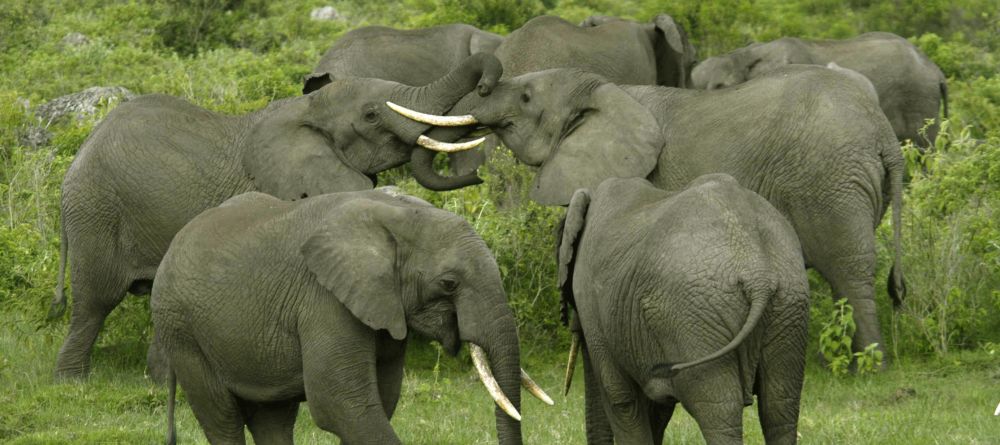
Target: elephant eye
(525,98)
(449,284)
(371,116)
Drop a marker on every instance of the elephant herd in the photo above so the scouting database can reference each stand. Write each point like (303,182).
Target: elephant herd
(696,196)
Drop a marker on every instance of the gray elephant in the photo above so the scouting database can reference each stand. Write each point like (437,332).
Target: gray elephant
(408,56)
(623,51)
(656,53)
(697,297)
(157,161)
(805,138)
(261,304)
(911,88)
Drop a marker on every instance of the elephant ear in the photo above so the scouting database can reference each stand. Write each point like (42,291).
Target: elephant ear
(289,160)
(674,54)
(617,138)
(569,238)
(353,255)
(314,81)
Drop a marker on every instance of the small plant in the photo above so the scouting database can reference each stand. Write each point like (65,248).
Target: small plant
(835,338)
(835,344)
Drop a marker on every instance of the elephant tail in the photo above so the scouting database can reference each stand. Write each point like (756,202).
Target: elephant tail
(171,401)
(896,284)
(58,306)
(944,97)
(760,296)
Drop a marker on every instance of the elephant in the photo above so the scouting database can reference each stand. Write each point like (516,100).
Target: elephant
(858,78)
(911,88)
(260,304)
(156,162)
(805,138)
(411,57)
(697,297)
(623,51)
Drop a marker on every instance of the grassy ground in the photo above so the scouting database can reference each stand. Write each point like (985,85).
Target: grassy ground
(915,402)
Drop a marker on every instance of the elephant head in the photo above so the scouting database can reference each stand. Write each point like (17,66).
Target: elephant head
(340,134)
(747,63)
(576,127)
(402,266)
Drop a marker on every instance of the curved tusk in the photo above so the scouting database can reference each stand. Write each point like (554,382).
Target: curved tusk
(433,119)
(571,363)
(482,364)
(447,147)
(534,389)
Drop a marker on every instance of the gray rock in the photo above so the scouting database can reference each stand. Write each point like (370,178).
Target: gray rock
(81,105)
(74,39)
(325,13)
(34,137)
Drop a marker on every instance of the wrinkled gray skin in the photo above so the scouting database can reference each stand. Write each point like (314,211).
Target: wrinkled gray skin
(623,51)
(411,57)
(911,88)
(859,79)
(157,161)
(659,279)
(261,304)
(805,138)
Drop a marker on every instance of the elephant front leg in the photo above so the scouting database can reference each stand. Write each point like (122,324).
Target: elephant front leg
(342,390)
(389,369)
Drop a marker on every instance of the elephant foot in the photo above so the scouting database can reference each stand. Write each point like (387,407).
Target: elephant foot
(70,373)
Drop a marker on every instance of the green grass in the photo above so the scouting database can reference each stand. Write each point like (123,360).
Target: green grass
(914,402)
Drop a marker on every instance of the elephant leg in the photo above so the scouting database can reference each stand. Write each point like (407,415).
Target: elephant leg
(217,410)
(712,395)
(157,365)
(848,264)
(780,375)
(272,423)
(342,389)
(97,290)
(389,369)
(659,417)
(598,426)
(624,404)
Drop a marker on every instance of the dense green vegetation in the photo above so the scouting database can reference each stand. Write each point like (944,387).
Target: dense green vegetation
(237,55)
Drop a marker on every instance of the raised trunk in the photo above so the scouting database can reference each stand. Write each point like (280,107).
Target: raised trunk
(479,72)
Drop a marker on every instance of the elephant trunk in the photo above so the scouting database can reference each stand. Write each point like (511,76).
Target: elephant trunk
(422,159)
(494,335)
(479,72)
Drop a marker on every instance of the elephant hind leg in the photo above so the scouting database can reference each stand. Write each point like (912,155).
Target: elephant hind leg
(782,368)
(272,423)
(715,401)
(217,410)
(94,297)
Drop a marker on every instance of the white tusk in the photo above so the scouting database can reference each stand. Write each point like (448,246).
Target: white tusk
(571,363)
(447,147)
(433,119)
(482,364)
(997,412)
(534,389)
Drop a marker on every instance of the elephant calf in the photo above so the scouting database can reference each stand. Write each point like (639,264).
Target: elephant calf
(260,304)
(697,297)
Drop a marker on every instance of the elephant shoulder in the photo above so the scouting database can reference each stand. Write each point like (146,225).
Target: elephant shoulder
(250,199)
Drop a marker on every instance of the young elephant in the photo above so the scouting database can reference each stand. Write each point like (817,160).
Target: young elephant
(260,304)
(697,297)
